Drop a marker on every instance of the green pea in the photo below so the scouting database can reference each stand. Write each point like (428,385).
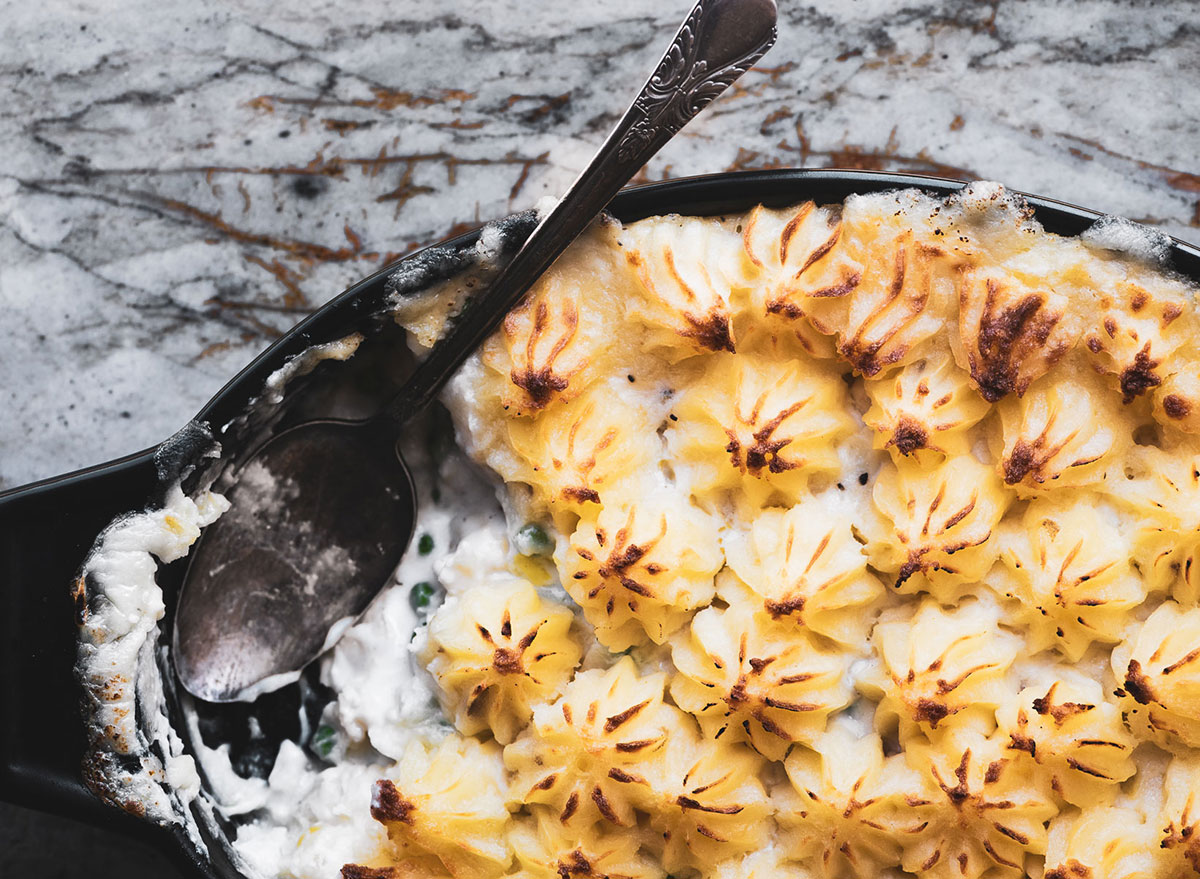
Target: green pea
(533,540)
(421,595)
(323,740)
(425,544)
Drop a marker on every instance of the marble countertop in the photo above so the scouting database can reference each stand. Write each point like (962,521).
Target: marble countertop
(182,181)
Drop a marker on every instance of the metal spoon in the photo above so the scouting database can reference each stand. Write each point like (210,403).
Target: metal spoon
(322,513)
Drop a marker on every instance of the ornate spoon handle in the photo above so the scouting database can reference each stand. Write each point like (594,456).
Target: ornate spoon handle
(719,41)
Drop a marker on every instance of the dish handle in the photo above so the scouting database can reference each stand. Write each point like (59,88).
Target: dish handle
(46,531)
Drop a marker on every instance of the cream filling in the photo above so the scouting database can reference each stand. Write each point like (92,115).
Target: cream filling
(116,665)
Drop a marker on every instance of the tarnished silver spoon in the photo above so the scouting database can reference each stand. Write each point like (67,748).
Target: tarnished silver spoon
(322,513)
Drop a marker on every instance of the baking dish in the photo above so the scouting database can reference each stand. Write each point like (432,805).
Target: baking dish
(47,529)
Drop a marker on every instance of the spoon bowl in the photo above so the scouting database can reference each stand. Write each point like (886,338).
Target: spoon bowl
(319,518)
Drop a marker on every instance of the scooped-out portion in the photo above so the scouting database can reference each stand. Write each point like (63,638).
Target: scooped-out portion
(846,540)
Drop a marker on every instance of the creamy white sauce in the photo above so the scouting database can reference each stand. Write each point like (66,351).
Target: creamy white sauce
(307,361)
(312,822)
(1128,238)
(117,645)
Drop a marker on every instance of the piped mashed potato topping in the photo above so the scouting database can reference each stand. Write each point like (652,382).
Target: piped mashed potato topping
(845,541)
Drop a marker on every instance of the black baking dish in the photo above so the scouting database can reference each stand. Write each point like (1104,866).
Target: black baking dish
(47,529)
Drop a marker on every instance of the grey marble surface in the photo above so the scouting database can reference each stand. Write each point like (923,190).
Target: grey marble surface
(181,181)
